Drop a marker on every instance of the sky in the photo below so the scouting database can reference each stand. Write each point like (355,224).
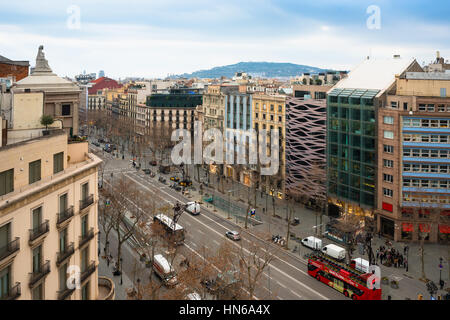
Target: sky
(154,38)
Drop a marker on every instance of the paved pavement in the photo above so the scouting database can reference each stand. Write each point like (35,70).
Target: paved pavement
(409,286)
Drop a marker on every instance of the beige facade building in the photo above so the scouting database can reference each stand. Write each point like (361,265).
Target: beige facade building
(48,220)
(269,114)
(61,98)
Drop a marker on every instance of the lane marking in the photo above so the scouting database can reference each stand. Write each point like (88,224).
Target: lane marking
(272,266)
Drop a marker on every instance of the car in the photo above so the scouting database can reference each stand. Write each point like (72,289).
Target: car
(107,149)
(147,171)
(233,235)
(185,183)
(96,144)
(176,179)
(101,140)
(153,163)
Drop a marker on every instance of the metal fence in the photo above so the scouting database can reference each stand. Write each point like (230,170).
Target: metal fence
(234,210)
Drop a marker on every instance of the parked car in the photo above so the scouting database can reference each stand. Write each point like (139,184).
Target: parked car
(96,144)
(176,179)
(147,171)
(107,149)
(334,251)
(312,242)
(153,163)
(233,235)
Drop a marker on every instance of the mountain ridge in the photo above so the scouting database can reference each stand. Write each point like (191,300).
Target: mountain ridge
(255,68)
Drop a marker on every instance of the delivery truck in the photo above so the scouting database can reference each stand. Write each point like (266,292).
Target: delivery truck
(334,251)
(164,270)
(193,208)
(312,242)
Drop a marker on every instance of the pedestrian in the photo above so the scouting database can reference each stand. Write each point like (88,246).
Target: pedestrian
(381,258)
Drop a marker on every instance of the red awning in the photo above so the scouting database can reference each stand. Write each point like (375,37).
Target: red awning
(444,229)
(408,227)
(424,227)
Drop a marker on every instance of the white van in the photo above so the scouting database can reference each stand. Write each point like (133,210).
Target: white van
(360,264)
(334,251)
(312,242)
(193,208)
(164,270)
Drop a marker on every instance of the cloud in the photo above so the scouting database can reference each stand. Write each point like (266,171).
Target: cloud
(154,38)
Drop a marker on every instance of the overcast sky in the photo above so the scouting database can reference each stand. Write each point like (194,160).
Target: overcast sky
(153,38)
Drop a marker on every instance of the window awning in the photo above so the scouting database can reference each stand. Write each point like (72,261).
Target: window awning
(423,227)
(408,227)
(444,229)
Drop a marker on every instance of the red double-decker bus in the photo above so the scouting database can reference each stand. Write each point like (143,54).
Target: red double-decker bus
(350,282)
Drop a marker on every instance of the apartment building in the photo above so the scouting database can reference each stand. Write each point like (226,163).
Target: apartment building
(268,113)
(15,69)
(414,161)
(352,137)
(48,220)
(177,111)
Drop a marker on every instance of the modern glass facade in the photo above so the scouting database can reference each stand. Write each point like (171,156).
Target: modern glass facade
(351,145)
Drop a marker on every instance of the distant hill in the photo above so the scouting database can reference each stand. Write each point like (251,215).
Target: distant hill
(255,69)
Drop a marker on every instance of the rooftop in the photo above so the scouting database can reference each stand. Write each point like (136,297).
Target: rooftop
(377,74)
(427,76)
(17,63)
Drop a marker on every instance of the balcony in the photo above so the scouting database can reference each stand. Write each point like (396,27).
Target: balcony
(64,294)
(86,202)
(13,293)
(10,249)
(66,253)
(38,232)
(90,269)
(86,237)
(37,275)
(64,216)
(106,290)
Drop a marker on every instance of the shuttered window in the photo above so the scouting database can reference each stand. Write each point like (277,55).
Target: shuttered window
(58,162)
(6,181)
(34,171)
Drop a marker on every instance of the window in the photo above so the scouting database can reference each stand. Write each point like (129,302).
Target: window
(272,108)
(394,104)
(63,240)
(5,282)
(430,108)
(58,162)
(388,192)
(388,120)
(63,277)
(388,149)
(441,108)
(65,110)
(388,134)
(84,225)
(6,181)
(38,292)
(388,178)
(37,259)
(405,106)
(34,170)
(443,92)
(388,163)
(280,108)
(36,218)
(63,203)
(422,107)
(84,191)
(84,258)
(85,291)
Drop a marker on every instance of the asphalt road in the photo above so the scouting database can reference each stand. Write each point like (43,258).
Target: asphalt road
(285,278)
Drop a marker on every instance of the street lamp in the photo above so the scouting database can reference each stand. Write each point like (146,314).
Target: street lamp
(121,271)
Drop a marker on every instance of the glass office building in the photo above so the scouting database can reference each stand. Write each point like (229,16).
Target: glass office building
(351,145)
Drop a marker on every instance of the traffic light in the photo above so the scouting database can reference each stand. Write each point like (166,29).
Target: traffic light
(419,297)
